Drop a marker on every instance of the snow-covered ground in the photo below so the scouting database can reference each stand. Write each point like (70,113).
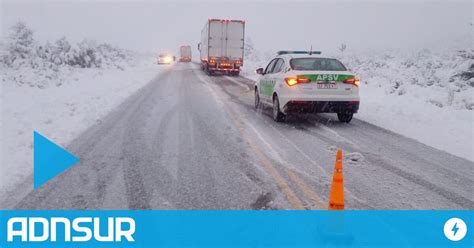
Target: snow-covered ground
(61,113)
(59,93)
(424,95)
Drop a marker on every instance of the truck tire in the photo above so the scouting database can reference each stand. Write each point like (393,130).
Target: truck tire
(278,116)
(345,117)
(235,74)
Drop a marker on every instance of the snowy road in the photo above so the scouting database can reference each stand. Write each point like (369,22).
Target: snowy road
(190,141)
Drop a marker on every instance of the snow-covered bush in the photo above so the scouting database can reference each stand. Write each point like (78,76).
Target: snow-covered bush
(250,53)
(441,78)
(21,44)
(38,65)
(253,58)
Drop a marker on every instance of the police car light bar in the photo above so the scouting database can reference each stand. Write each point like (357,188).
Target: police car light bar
(298,52)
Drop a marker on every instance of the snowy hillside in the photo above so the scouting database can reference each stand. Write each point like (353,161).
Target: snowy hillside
(59,90)
(424,95)
(49,64)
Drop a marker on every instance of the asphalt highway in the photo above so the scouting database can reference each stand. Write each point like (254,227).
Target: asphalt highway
(191,141)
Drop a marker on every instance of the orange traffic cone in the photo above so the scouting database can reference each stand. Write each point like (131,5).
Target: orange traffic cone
(336,195)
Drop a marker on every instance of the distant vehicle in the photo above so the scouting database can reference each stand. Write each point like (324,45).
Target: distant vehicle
(185,54)
(306,82)
(222,46)
(165,58)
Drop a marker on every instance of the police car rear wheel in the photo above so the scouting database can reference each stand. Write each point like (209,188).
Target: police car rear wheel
(345,117)
(278,116)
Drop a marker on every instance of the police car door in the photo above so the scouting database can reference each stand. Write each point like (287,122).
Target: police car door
(277,71)
(266,87)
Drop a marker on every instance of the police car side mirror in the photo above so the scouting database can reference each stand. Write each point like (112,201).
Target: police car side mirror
(259,71)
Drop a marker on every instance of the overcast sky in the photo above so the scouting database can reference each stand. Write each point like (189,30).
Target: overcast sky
(164,25)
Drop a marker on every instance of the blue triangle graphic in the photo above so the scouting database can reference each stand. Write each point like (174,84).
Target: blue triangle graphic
(50,160)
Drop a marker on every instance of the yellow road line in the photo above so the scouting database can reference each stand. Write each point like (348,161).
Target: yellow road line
(295,202)
(308,192)
(282,184)
(285,189)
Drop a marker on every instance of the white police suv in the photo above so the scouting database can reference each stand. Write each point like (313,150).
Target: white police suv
(306,82)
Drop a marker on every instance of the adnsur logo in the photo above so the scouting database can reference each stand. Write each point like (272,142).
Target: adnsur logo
(81,229)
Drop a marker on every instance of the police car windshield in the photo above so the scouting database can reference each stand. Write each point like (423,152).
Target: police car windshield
(316,64)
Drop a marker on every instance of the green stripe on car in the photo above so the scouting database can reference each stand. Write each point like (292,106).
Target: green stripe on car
(266,87)
(327,77)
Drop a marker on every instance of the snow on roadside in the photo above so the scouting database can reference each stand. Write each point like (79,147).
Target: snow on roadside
(62,112)
(445,128)
(426,96)
(58,89)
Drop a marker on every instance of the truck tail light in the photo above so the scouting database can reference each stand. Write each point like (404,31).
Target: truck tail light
(296,80)
(353,81)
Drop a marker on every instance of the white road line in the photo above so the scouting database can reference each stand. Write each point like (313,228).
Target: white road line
(274,153)
(320,168)
(209,87)
(238,83)
(338,136)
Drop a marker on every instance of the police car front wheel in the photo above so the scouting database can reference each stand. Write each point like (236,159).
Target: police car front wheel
(257,100)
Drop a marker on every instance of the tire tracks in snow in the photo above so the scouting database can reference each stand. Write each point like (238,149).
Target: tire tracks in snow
(266,162)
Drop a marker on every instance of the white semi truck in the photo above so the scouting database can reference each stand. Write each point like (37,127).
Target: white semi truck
(185,54)
(222,46)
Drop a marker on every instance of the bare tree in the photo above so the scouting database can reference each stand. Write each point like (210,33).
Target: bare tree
(342,47)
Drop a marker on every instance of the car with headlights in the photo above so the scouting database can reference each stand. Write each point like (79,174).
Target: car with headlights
(165,58)
(296,82)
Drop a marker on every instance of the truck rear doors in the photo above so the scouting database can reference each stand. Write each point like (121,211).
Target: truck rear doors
(226,39)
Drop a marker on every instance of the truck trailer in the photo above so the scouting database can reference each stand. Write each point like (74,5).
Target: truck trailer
(222,46)
(185,54)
